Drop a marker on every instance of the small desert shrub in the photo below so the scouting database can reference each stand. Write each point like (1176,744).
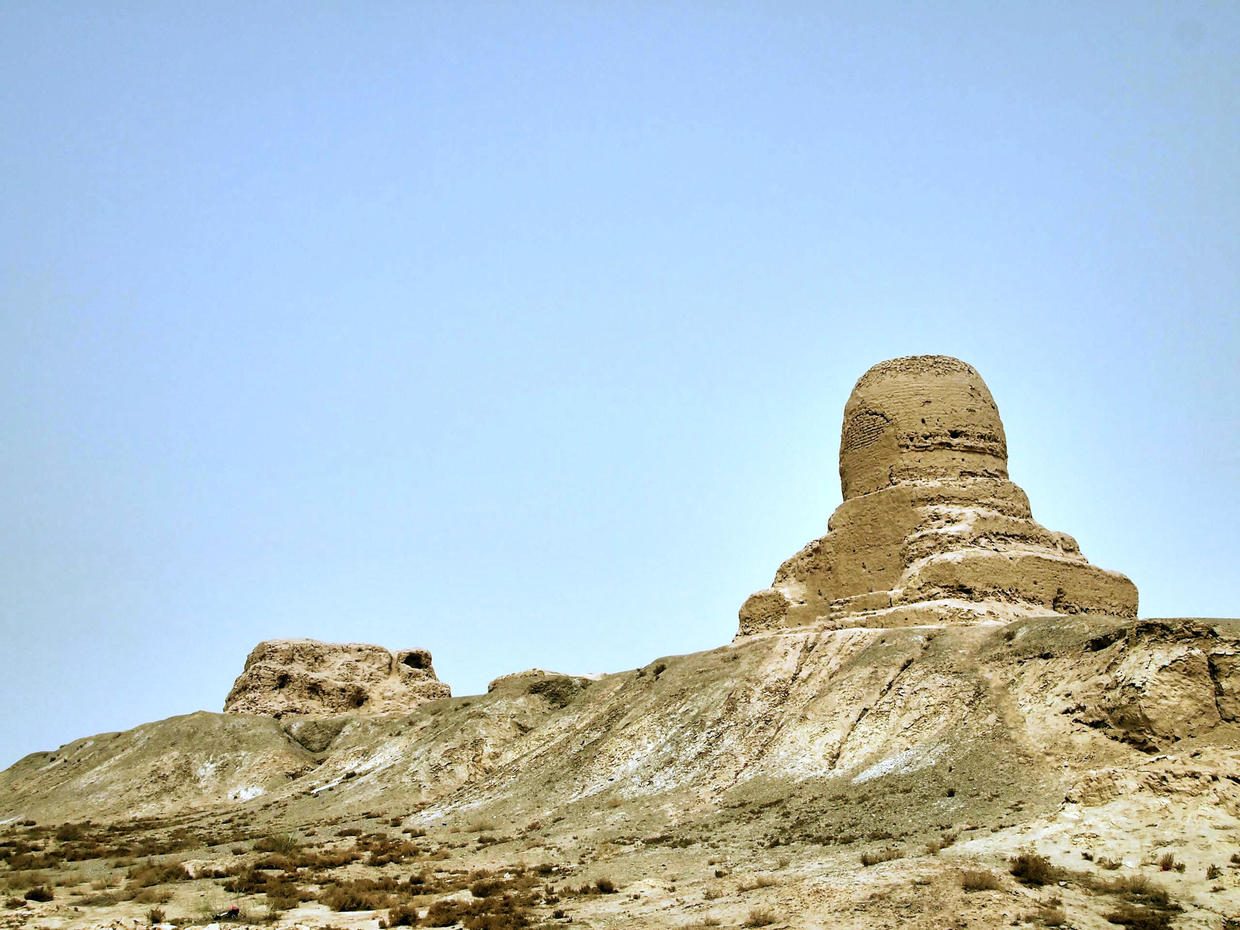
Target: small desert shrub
(758,881)
(486,887)
(1213,872)
(402,915)
(384,853)
(39,893)
(283,843)
(1052,917)
(1138,917)
(1138,888)
(605,886)
(155,915)
(153,896)
(68,832)
(103,899)
(348,897)
(760,917)
(979,880)
(1033,869)
(248,881)
(157,873)
(880,855)
(1166,862)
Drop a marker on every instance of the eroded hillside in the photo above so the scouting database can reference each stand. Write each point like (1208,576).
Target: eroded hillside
(1114,738)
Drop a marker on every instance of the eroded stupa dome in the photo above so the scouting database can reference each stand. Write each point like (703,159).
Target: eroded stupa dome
(920,418)
(931,529)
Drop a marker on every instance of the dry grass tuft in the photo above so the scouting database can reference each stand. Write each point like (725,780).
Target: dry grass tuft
(979,880)
(760,917)
(881,855)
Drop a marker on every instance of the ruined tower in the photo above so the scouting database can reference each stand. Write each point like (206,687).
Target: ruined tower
(931,530)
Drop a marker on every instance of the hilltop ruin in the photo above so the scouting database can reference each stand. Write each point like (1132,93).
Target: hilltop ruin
(931,529)
(304,677)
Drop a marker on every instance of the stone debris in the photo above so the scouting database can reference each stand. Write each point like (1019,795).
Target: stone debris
(931,529)
(304,677)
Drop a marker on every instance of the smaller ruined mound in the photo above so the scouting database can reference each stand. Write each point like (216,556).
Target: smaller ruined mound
(304,677)
(530,674)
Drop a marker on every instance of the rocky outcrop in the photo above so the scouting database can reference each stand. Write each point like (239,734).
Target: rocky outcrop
(304,677)
(992,712)
(931,530)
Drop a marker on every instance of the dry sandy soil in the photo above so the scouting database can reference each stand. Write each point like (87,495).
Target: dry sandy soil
(1061,771)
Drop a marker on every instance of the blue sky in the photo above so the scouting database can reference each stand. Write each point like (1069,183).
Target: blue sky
(521,332)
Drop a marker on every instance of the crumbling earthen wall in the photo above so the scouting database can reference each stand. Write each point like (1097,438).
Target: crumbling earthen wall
(304,677)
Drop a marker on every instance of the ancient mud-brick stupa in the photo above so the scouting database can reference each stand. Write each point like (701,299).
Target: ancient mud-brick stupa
(931,530)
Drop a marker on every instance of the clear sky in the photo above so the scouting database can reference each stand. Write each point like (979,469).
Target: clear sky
(522,331)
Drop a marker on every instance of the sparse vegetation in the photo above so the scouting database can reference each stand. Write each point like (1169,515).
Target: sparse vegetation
(402,915)
(760,917)
(758,881)
(283,843)
(979,880)
(874,857)
(1031,868)
(1139,917)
